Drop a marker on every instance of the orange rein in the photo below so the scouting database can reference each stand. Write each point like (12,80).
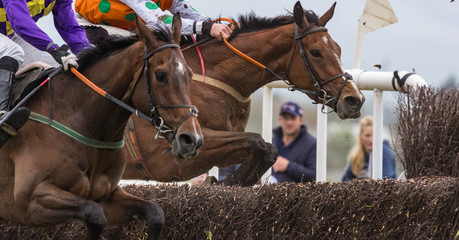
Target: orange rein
(87,82)
(244,55)
(234,49)
(241,54)
(108,96)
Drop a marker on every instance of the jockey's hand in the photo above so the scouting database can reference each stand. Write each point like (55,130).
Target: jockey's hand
(220,31)
(63,56)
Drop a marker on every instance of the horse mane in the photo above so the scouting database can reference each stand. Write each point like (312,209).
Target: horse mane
(114,43)
(251,22)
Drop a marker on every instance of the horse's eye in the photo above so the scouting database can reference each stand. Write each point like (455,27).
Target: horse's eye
(161,76)
(315,53)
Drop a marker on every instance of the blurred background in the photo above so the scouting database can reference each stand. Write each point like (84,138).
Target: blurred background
(425,40)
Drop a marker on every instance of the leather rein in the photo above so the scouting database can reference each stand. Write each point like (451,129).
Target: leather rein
(319,93)
(154,118)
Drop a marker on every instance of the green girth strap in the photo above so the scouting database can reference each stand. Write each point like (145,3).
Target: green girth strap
(73,134)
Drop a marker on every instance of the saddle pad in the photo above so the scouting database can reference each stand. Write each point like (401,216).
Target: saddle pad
(27,79)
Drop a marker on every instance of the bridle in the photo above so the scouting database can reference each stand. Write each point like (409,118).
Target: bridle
(155,119)
(320,93)
(319,83)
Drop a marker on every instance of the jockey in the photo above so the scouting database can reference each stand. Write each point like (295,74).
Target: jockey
(120,13)
(17,20)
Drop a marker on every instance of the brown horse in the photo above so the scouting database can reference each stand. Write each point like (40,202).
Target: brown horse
(47,177)
(297,47)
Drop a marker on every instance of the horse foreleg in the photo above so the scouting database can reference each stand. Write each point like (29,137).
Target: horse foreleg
(50,204)
(122,208)
(249,149)
(220,148)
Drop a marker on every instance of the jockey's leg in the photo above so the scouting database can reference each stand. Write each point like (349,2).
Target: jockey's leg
(32,54)
(11,56)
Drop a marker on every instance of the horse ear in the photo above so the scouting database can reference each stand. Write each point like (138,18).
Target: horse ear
(328,15)
(298,15)
(144,33)
(176,28)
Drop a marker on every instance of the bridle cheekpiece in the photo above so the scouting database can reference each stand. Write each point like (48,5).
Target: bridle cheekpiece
(319,83)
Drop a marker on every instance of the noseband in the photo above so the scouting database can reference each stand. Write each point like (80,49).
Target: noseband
(155,119)
(320,93)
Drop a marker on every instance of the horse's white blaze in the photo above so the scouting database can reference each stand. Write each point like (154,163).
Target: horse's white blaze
(352,82)
(340,63)
(181,68)
(194,127)
(325,39)
(357,90)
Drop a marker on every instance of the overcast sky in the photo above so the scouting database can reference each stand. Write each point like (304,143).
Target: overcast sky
(426,37)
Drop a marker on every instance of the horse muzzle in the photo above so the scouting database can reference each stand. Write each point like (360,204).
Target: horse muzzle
(349,107)
(186,145)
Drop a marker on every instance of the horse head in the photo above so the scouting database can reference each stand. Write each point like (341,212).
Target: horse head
(167,80)
(317,56)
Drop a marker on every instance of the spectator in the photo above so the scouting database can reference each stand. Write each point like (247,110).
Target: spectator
(224,172)
(296,161)
(199,179)
(359,164)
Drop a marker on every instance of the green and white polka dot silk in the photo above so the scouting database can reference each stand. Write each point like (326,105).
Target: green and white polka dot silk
(152,14)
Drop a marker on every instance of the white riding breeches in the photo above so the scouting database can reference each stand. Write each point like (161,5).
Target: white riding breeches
(32,54)
(9,48)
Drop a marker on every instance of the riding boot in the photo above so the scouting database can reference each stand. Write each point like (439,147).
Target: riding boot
(15,120)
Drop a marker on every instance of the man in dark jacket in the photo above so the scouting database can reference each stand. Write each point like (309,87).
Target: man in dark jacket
(296,161)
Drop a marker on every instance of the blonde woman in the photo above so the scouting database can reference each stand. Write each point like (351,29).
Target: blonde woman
(359,164)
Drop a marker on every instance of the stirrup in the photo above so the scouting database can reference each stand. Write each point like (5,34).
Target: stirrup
(15,121)
(6,127)
(9,129)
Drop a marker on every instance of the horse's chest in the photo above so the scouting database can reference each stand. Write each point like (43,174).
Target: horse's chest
(90,187)
(240,117)
(95,189)
(100,189)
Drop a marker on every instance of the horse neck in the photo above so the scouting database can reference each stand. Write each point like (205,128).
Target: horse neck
(98,117)
(271,47)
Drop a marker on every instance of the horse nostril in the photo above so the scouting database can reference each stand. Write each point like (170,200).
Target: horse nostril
(187,141)
(353,102)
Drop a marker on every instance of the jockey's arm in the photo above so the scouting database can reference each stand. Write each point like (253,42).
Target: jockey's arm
(24,25)
(195,22)
(192,21)
(67,26)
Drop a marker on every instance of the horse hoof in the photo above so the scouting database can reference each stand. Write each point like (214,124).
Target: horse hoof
(210,180)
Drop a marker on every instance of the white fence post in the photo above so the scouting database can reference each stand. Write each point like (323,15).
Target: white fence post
(267,124)
(377,157)
(214,172)
(321,157)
